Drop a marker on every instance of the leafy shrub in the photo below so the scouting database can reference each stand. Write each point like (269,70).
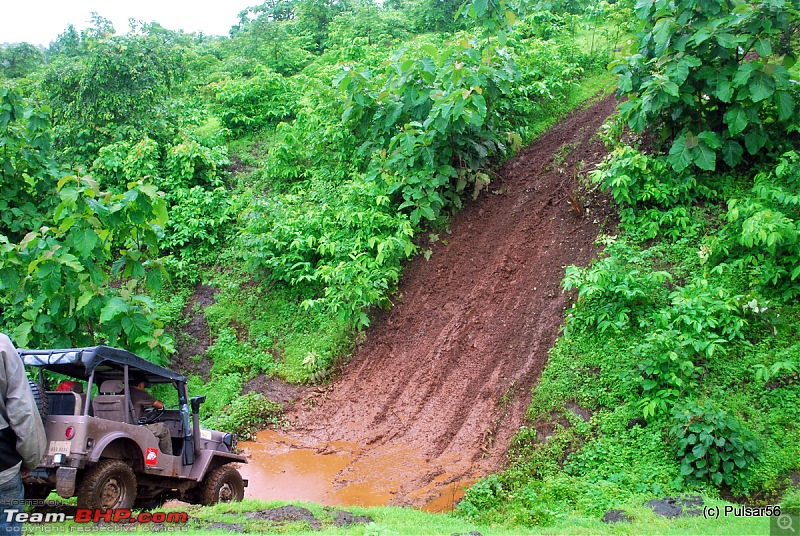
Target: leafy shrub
(712,77)
(546,73)
(67,241)
(350,244)
(429,123)
(701,320)
(246,415)
(230,356)
(198,220)
(249,104)
(655,200)
(667,369)
(117,88)
(190,163)
(763,234)
(225,387)
(356,34)
(617,291)
(481,497)
(713,445)
(706,314)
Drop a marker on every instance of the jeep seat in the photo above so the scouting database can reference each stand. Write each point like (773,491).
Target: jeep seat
(110,405)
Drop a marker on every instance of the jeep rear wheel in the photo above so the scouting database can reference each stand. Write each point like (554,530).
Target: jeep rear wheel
(224,484)
(110,484)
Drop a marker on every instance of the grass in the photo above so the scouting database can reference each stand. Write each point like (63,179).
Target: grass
(592,87)
(396,521)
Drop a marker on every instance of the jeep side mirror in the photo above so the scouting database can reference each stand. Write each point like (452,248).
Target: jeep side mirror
(196,401)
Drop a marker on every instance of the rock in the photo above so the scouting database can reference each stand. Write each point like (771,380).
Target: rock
(638,421)
(345,519)
(228,527)
(672,507)
(288,513)
(616,516)
(175,503)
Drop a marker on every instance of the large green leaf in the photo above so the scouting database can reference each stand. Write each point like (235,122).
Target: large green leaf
(84,241)
(761,86)
(680,155)
(785,104)
(705,157)
(755,140)
(115,307)
(736,119)
(732,153)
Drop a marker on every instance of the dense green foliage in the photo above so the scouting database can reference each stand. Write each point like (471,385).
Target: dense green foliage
(350,130)
(63,240)
(711,78)
(297,164)
(682,339)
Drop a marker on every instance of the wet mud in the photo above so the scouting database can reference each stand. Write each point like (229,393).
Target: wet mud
(430,401)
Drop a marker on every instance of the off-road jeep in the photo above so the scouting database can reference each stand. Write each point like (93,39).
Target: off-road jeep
(97,450)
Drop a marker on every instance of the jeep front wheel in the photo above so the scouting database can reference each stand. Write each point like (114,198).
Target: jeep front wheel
(223,484)
(110,484)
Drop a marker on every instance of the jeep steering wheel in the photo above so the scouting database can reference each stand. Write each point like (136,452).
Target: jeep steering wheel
(151,416)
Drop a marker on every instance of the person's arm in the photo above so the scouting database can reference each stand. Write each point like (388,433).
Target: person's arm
(148,401)
(23,415)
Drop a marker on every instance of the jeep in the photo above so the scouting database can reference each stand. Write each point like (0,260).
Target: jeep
(99,452)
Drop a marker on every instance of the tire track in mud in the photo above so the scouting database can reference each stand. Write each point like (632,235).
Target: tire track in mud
(441,383)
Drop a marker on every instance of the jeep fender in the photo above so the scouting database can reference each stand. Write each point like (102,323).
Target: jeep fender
(206,461)
(116,445)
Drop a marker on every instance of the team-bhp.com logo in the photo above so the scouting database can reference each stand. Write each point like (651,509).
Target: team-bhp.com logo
(88,515)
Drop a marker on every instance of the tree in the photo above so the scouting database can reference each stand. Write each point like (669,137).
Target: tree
(117,88)
(62,241)
(20,60)
(711,78)
(67,43)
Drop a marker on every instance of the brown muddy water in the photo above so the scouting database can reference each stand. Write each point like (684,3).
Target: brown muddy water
(338,473)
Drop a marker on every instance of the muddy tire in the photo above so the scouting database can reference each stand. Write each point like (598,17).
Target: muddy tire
(40,397)
(224,484)
(109,484)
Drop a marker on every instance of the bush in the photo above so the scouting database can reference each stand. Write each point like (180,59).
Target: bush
(713,445)
(712,78)
(617,291)
(246,415)
(249,104)
(483,496)
(654,199)
(763,233)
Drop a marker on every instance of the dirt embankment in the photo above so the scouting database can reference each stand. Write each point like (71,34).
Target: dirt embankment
(434,394)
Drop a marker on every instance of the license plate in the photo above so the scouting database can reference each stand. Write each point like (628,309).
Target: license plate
(58,447)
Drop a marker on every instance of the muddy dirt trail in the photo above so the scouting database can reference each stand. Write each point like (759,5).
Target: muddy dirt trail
(433,395)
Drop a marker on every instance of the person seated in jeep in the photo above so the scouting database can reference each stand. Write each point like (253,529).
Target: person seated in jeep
(141,400)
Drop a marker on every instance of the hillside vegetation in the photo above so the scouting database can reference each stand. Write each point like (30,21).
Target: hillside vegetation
(293,165)
(298,163)
(677,371)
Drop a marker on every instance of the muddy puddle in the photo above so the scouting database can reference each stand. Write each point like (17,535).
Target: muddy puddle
(339,473)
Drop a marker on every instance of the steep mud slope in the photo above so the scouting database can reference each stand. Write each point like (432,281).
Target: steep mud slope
(442,381)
